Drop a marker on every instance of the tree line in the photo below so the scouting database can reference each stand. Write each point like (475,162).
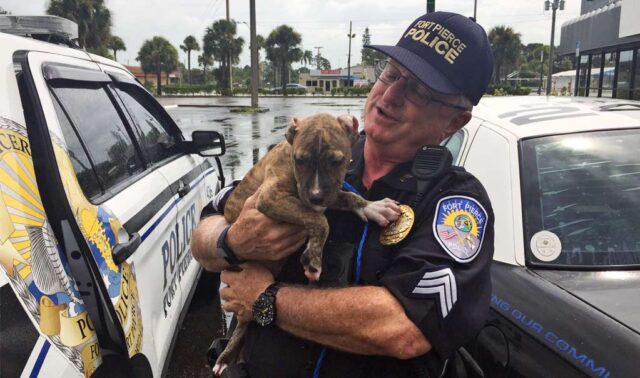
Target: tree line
(221,46)
(514,60)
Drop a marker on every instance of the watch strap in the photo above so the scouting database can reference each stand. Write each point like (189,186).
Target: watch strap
(272,290)
(225,250)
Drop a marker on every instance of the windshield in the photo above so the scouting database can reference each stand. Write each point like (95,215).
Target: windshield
(581,198)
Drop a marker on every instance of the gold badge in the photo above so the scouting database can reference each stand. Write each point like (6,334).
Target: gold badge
(398,230)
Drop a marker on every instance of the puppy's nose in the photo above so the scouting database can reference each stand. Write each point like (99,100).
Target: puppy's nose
(316,196)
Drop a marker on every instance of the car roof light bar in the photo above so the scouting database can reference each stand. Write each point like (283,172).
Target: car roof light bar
(45,28)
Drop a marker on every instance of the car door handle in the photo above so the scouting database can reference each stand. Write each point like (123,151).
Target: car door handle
(122,251)
(183,189)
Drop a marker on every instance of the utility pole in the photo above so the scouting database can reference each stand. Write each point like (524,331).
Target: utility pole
(318,56)
(227,10)
(254,54)
(475,9)
(554,6)
(351,36)
(431,6)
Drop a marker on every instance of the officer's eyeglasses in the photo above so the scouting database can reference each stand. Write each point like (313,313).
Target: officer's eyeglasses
(414,91)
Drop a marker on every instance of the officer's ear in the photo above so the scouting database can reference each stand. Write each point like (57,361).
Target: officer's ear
(293,127)
(457,122)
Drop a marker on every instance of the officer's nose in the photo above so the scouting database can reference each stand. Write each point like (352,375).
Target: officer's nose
(396,91)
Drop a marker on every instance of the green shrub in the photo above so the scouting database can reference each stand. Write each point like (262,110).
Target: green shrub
(500,92)
(188,89)
(504,90)
(150,85)
(351,91)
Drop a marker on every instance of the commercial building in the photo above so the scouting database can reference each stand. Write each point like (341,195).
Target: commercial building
(605,40)
(326,80)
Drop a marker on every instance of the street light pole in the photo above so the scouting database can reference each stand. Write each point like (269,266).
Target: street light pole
(555,5)
(254,54)
(351,36)
(541,69)
(475,8)
(229,60)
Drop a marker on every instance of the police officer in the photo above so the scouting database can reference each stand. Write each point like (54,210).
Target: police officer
(402,303)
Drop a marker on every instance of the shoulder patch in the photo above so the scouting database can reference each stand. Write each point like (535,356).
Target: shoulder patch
(459,226)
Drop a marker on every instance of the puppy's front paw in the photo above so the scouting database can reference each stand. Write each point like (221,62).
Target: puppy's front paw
(382,212)
(312,262)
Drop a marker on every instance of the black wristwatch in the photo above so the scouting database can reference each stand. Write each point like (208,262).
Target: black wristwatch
(264,308)
(225,251)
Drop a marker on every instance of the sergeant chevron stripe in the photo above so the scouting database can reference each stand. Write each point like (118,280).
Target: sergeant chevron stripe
(441,282)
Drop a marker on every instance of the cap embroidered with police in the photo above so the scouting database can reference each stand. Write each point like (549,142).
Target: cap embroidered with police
(448,52)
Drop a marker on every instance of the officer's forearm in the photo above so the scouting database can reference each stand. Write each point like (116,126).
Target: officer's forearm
(362,320)
(204,243)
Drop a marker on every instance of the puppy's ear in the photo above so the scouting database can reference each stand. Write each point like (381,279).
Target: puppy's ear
(293,127)
(350,125)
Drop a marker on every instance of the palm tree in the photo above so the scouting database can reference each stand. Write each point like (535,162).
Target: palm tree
(323,63)
(205,61)
(220,42)
(189,44)
(93,19)
(307,57)
(157,55)
(506,46)
(115,44)
(282,49)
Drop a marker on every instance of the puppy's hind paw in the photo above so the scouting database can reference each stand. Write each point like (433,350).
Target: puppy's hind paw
(218,369)
(312,274)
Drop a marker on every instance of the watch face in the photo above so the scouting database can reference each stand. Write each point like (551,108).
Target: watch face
(263,310)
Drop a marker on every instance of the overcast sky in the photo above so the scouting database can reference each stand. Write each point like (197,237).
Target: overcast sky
(322,23)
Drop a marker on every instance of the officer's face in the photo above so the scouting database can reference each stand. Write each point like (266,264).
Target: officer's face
(398,127)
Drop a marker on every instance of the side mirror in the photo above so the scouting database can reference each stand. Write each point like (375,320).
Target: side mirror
(208,143)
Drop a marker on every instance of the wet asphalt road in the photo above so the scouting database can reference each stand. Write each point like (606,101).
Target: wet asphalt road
(248,137)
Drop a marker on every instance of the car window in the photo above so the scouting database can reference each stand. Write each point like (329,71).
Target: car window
(95,120)
(454,144)
(585,189)
(78,155)
(156,143)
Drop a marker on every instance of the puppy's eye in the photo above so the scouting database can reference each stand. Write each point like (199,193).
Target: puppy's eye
(336,161)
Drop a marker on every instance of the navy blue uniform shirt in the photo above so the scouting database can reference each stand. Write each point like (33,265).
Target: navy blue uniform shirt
(439,273)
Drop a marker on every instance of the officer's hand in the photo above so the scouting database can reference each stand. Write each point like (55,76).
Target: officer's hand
(255,236)
(243,288)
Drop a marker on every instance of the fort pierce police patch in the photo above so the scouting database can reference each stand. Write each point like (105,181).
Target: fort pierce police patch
(459,226)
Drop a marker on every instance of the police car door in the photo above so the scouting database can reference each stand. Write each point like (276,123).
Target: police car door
(104,182)
(193,180)
(192,183)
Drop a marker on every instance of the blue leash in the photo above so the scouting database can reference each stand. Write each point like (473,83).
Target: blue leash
(348,187)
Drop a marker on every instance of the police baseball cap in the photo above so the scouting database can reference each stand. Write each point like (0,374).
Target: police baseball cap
(448,52)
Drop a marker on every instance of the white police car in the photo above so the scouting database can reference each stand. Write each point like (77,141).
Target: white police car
(99,195)
(563,175)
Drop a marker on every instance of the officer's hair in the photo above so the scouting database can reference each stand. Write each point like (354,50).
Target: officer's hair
(463,101)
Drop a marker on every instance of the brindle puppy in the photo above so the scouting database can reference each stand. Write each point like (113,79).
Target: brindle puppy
(298,179)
